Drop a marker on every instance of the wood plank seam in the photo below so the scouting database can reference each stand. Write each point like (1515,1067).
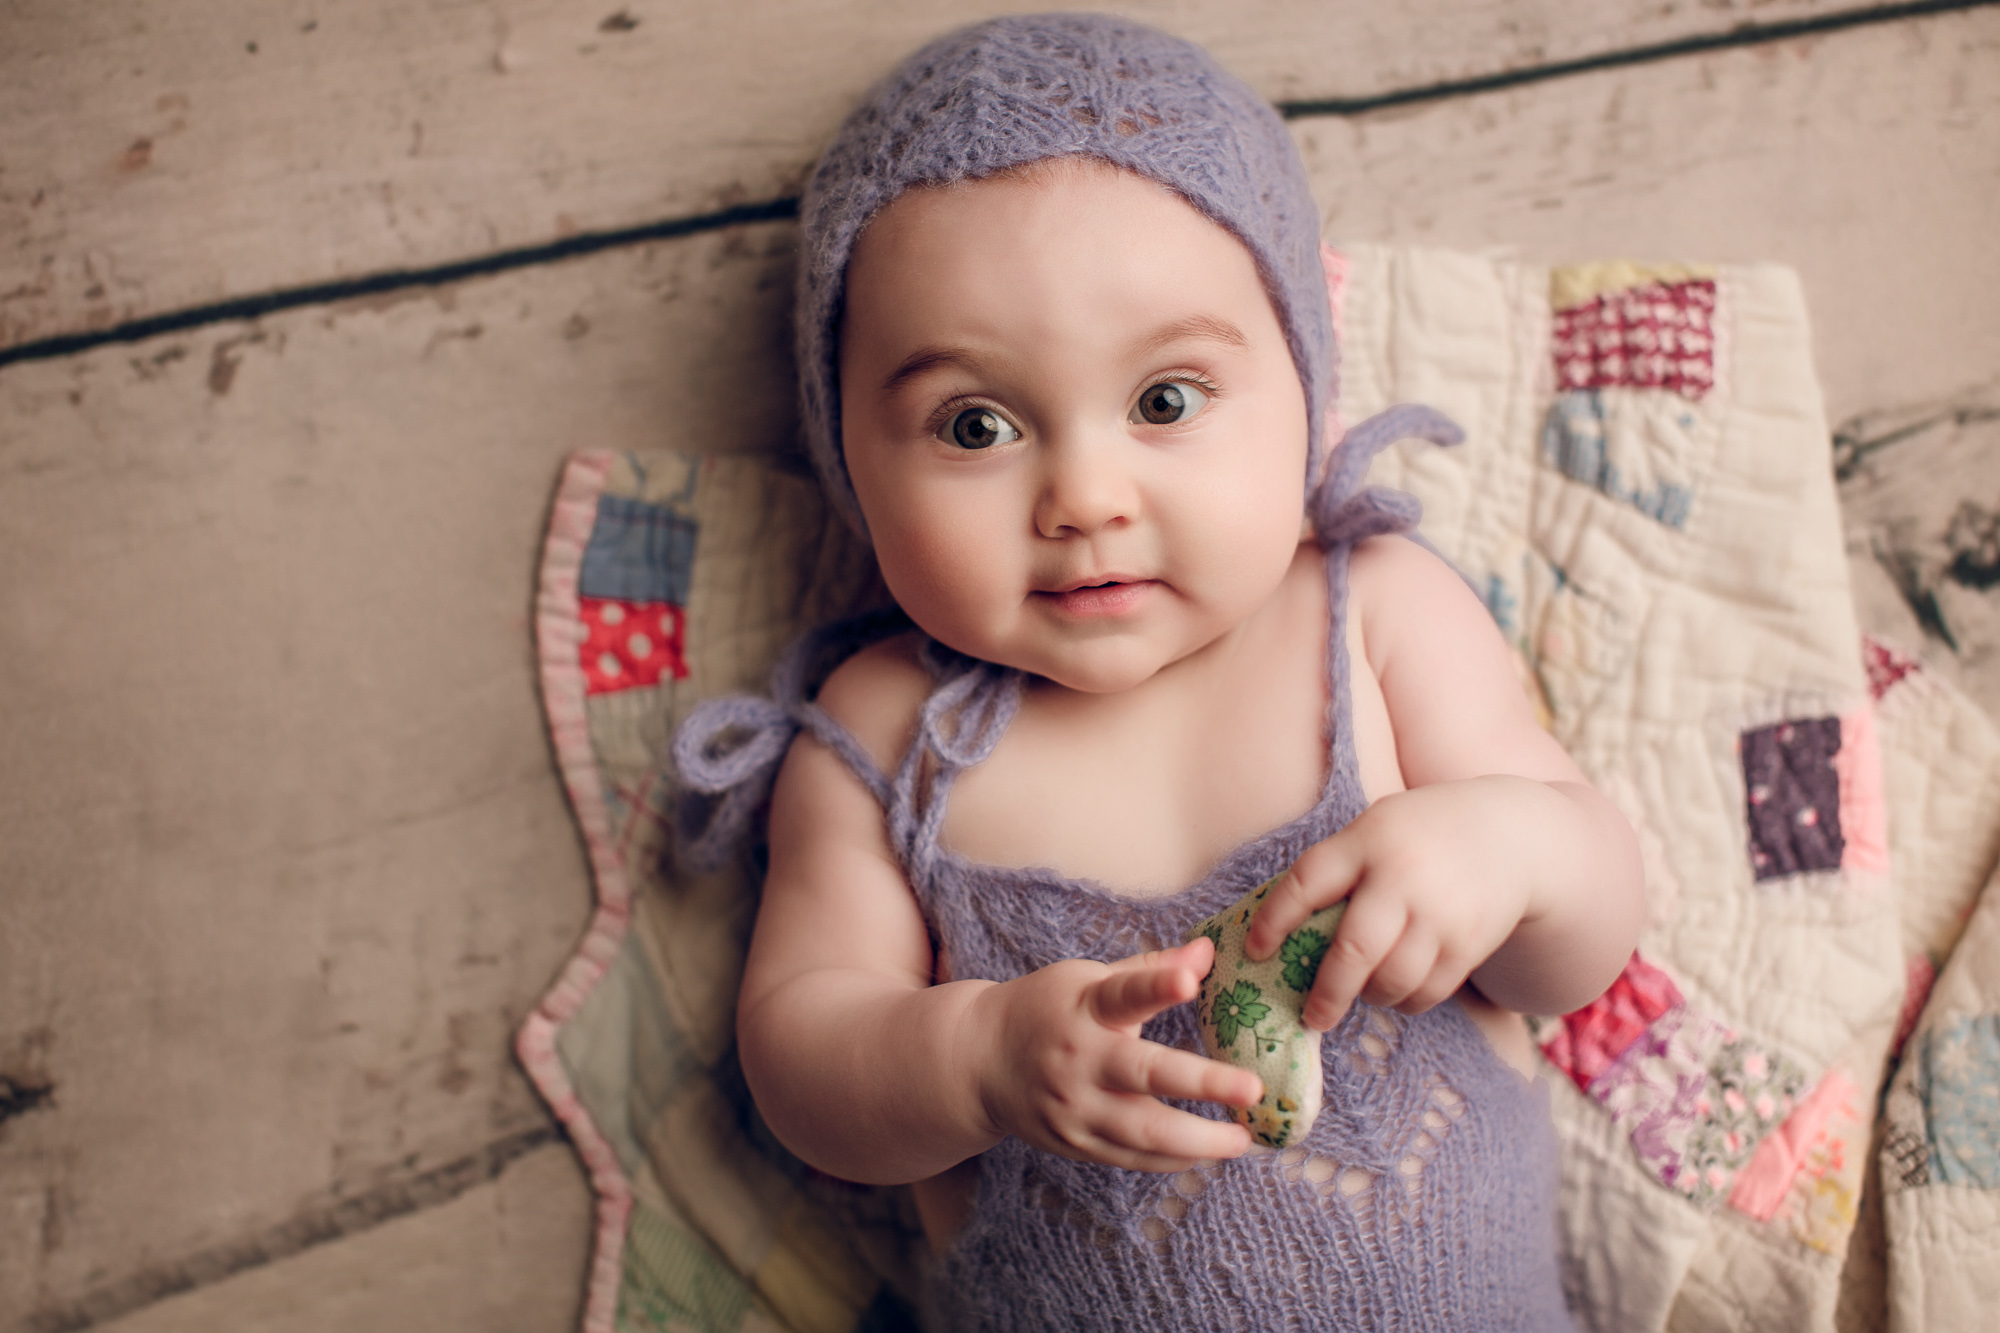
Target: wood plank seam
(392,280)
(315,1224)
(1749,34)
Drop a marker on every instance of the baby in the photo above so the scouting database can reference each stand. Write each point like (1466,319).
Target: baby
(1067,359)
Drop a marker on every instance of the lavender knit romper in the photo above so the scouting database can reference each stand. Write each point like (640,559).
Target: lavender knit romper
(1423,1198)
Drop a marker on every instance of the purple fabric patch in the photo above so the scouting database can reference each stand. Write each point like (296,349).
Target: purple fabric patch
(1792,797)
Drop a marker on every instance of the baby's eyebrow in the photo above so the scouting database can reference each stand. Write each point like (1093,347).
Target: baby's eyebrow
(926,359)
(1206,327)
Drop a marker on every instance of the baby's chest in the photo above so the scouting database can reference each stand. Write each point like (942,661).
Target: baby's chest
(1145,795)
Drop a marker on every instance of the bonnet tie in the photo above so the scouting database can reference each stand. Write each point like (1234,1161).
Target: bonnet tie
(1342,510)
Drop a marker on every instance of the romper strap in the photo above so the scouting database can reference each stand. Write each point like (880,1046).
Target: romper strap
(730,747)
(958,727)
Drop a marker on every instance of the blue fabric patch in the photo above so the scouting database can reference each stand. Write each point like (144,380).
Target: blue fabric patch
(1792,797)
(638,553)
(1960,1085)
(1574,443)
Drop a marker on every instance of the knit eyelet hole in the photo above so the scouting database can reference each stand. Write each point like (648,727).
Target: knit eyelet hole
(1354,1180)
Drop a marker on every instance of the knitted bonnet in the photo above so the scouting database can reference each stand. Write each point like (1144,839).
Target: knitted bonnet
(1016,90)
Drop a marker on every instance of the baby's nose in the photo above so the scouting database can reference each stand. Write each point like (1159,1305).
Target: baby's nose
(1088,485)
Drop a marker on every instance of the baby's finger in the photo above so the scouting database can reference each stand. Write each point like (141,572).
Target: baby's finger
(1161,1071)
(1130,994)
(1198,955)
(1320,878)
(1146,1129)
(1367,933)
(1403,970)
(1448,974)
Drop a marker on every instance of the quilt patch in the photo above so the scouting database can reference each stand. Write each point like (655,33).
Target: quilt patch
(638,552)
(1577,440)
(632,589)
(1864,806)
(1761,1187)
(627,645)
(1696,1098)
(1583,1044)
(1651,335)
(1792,796)
(1959,1082)
(1823,1200)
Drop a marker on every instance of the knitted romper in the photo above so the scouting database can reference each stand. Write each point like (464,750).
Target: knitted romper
(1422,1198)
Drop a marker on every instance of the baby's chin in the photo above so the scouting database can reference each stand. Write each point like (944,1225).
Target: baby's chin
(1094,668)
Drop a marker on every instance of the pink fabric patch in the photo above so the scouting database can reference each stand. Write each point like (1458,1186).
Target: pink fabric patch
(627,645)
(1864,809)
(1586,1042)
(1761,1186)
(1657,335)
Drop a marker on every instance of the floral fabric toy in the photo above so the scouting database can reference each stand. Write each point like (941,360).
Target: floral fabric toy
(1251,1015)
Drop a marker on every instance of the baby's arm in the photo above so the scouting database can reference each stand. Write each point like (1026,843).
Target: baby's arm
(871,1073)
(1499,863)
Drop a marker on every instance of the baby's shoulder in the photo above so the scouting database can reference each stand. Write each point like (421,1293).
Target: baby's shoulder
(876,695)
(1401,590)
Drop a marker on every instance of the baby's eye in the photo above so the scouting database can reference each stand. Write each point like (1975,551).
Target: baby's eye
(1168,403)
(978,428)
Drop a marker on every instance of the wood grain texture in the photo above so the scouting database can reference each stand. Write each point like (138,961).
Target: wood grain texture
(156,155)
(507,1257)
(1869,160)
(282,856)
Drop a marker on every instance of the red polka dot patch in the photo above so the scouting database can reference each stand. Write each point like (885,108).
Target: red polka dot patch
(631,644)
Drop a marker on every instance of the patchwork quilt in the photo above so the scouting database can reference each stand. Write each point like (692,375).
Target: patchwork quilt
(1645,502)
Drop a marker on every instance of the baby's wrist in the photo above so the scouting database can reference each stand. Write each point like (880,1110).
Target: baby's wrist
(970,1063)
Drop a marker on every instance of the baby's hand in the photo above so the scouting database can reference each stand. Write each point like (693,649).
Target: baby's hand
(1062,1065)
(1436,879)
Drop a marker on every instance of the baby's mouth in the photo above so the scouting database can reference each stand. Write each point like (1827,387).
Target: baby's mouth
(1111,597)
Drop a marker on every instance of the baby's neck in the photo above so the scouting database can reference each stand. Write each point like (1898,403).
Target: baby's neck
(1143,790)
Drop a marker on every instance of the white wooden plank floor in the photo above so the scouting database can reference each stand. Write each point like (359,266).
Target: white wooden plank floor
(160,155)
(282,856)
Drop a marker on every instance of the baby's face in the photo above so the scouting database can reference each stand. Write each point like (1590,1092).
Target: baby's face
(1071,420)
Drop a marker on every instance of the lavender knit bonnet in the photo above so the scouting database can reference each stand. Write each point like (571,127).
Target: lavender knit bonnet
(1016,90)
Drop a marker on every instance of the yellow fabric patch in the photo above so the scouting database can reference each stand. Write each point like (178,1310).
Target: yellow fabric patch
(1579,283)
